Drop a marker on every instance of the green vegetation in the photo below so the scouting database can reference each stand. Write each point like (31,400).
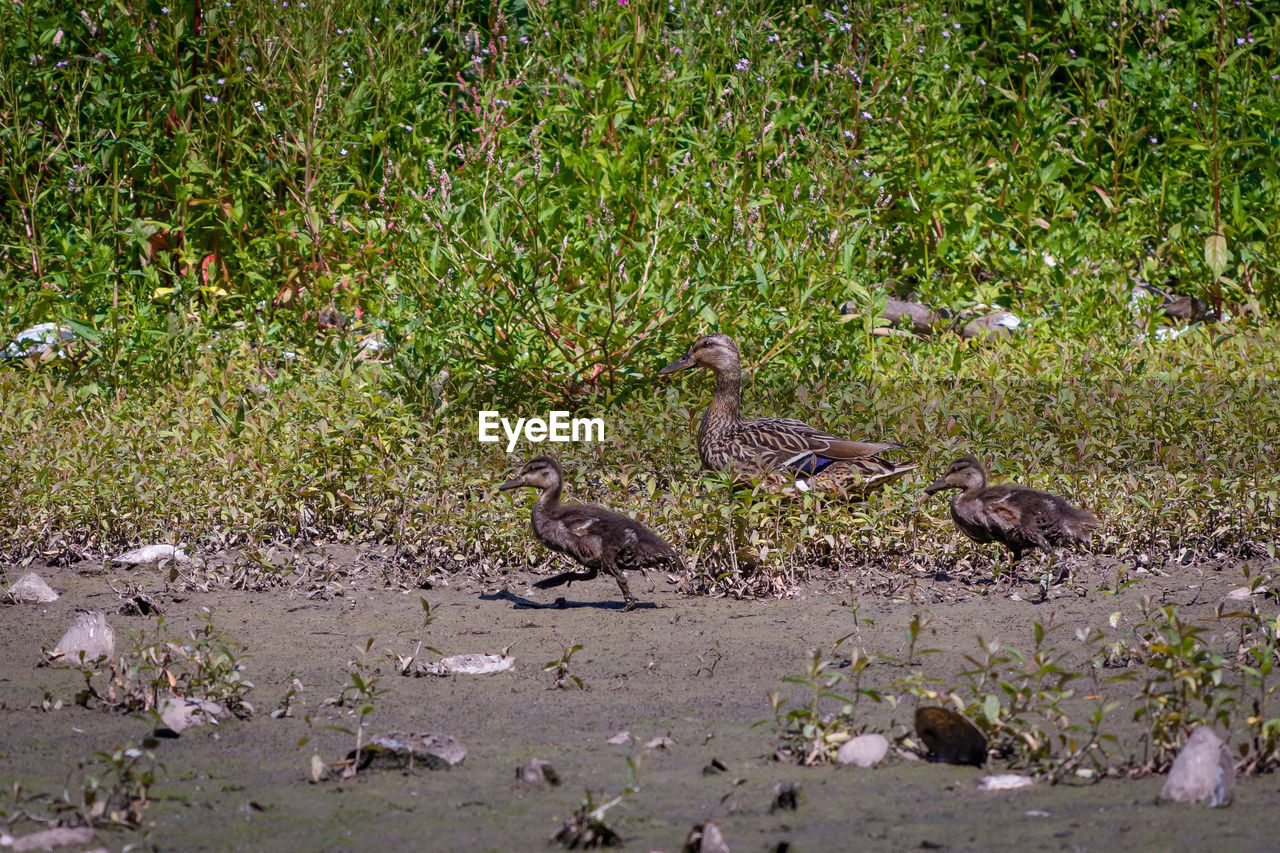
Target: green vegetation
(301,243)
(1058,711)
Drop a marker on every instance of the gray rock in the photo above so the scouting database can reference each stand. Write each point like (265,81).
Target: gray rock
(1005,782)
(39,340)
(432,750)
(997,324)
(1202,772)
(179,713)
(473,664)
(921,319)
(30,589)
(48,839)
(152,555)
(535,771)
(863,751)
(89,634)
(705,838)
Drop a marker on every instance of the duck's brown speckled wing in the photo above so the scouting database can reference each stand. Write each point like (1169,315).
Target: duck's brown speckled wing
(787,444)
(858,477)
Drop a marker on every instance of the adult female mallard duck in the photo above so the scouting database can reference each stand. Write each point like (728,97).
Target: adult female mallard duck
(595,537)
(771,447)
(1015,516)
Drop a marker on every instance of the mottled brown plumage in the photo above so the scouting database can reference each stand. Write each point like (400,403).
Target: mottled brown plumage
(778,447)
(594,537)
(1015,516)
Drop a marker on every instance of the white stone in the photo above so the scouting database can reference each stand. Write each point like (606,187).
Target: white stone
(89,634)
(41,339)
(864,750)
(1202,772)
(31,589)
(152,555)
(179,713)
(1005,782)
(470,664)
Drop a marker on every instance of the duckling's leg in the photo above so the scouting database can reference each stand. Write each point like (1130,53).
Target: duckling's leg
(621,577)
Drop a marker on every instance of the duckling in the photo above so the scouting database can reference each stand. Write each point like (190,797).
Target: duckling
(771,447)
(595,537)
(1015,516)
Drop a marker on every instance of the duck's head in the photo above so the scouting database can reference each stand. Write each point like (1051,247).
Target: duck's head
(965,473)
(540,472)
(717,352)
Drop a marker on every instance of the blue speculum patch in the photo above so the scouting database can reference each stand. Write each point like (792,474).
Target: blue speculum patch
(811,464)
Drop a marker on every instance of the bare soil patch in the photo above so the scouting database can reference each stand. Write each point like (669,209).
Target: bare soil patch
(692,670)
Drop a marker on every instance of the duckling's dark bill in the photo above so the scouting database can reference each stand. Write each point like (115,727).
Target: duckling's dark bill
(682,363)
(935,487)
(511,484)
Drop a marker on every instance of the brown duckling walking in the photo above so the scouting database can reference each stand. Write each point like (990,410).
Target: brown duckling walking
(594,537)
(1015,516)
(778,446)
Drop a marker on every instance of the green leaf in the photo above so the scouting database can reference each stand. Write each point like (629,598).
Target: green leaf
(1215,253)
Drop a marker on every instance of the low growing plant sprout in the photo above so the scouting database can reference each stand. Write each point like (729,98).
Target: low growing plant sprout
(207,663)
(360,693)
(405,662)
(113,788)
(811,733)
(1182,683)
(1020,701)
(560,667)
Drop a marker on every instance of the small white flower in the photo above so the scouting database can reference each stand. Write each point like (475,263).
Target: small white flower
(343,152)
(1049,260)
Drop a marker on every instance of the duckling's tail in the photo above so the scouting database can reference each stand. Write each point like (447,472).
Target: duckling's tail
(1078,525)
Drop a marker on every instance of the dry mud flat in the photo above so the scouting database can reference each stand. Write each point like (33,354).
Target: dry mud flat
(694,670)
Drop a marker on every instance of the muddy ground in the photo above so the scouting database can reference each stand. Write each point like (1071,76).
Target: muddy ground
(695,670)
